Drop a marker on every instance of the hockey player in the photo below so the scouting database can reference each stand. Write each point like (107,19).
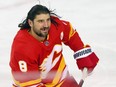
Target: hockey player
(36,54)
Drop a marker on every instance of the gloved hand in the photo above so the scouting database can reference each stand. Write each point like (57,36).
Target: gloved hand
(86,58)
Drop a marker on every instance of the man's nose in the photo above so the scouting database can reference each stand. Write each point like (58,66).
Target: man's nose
(45,24)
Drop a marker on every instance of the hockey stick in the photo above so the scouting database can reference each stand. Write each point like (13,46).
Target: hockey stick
(84,75)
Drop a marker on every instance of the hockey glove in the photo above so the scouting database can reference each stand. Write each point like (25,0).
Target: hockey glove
(86,58)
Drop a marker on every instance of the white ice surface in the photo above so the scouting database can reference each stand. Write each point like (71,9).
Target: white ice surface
(95,20)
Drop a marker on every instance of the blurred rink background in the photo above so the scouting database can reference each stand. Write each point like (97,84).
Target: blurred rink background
(95,20)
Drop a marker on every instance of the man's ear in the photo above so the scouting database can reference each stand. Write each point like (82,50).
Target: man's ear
(30,22)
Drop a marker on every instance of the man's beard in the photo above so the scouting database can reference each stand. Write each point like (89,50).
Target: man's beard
(40,33)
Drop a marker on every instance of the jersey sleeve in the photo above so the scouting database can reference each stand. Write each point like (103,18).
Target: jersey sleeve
(25,72)
(83,54)
(71,37)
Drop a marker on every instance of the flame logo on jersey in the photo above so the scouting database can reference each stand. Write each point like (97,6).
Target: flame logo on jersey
(48,63)
(61,35)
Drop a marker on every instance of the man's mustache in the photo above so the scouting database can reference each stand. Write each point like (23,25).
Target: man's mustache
(44,28)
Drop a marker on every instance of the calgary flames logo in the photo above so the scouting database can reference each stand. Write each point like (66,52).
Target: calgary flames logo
(48,63)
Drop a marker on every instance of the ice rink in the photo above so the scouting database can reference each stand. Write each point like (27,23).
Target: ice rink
(95,20)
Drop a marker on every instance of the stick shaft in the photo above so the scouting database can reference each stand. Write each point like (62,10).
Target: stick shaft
(81,83)
(84,75)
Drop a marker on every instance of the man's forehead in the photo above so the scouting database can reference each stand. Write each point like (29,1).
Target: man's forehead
(42,16)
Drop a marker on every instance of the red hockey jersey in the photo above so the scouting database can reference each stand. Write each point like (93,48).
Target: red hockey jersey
(35,63)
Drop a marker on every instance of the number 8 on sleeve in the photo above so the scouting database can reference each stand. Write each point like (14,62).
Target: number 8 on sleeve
(23,66)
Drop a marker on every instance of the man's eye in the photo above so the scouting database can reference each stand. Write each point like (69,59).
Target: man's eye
(48,19)
(40,21)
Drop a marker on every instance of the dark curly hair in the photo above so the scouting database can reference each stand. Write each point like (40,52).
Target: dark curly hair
(36,10)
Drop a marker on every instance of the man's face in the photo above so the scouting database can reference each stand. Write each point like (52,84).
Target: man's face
(40,25)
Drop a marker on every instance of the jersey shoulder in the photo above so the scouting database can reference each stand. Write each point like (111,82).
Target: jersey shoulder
(25,44)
